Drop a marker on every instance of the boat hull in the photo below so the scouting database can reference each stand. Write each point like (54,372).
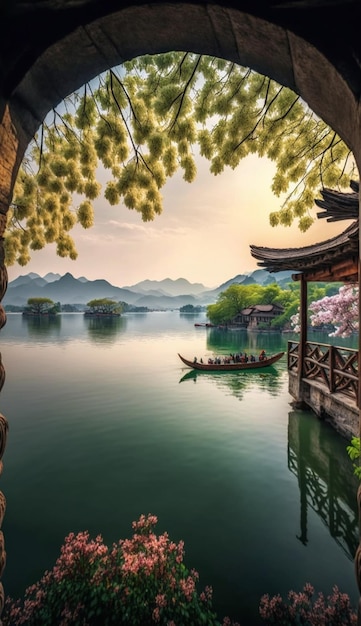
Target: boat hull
(231,367)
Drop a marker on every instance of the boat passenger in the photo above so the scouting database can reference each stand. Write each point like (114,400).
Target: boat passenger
(262,355)
(195,360)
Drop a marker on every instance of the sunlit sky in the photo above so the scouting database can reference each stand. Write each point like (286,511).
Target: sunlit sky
(203,234)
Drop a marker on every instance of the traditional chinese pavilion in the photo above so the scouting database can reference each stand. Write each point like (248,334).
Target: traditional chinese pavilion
(323,377)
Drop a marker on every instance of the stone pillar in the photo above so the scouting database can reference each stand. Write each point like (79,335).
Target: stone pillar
(8,170)
(3,421)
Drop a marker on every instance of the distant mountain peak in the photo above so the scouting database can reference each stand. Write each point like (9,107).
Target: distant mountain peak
(169,286)
(156,294)
(67,278)
(50,277)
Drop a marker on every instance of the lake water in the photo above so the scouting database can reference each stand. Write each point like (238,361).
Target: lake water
(106,423)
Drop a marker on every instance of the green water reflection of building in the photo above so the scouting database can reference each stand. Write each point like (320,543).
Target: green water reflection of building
(324,483)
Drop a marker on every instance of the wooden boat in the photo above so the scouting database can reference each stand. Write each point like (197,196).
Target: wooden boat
(193,375)
(231,367)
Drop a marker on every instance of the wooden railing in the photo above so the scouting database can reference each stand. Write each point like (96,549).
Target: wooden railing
(334,366)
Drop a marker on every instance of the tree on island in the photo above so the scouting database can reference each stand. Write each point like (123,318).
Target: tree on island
(146,119)
(190,308)
(103,306)
(41,306)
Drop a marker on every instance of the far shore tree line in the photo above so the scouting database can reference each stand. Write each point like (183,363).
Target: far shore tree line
(322,297)
(331,306)
(39,306)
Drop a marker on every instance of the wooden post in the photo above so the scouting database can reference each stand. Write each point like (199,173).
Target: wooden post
(331,361)
(303,334)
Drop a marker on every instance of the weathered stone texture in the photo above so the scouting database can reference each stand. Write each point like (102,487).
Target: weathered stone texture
(48,49)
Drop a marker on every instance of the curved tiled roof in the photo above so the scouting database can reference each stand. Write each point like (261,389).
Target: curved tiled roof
(332,259)
(339,206)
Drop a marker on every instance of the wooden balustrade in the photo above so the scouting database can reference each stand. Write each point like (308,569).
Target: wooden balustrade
(334,366)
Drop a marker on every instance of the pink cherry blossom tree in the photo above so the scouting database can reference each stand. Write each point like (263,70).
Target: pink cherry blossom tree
(341,311)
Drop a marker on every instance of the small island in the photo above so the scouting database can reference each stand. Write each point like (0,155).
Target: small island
(103,307)
(41,307)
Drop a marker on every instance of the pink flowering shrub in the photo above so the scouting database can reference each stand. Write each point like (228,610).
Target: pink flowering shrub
(306,608)
(138,582)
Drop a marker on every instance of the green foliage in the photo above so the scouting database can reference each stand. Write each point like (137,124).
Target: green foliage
(141,122)
(237,297)
(353,451)
(190,308)
(41,306)
(232,301)
(270,294)
(284,320)
(104,306)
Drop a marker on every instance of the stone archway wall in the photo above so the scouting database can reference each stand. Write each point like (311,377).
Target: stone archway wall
(74,45)
(49,49)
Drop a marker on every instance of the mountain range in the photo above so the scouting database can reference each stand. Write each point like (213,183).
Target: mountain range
(163,294)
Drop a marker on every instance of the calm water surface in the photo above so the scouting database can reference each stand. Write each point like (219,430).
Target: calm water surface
(106,423)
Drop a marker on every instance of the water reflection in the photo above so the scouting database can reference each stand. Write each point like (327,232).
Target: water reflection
(222,340)
(191,317)
(104,330)
(222,435)
(324,481)
(42,325)
(238,383)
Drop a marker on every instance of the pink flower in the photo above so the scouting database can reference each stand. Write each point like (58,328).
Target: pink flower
(161,600)
(188,587)
(156,615)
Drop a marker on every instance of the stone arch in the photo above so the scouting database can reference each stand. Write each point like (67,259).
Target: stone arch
(94,40)
(50,49)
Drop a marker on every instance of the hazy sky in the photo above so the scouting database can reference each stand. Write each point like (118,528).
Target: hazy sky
(203,235)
